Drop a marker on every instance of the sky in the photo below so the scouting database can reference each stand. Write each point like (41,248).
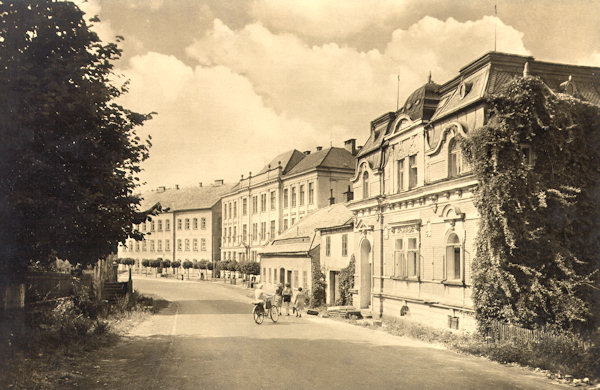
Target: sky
(234,83)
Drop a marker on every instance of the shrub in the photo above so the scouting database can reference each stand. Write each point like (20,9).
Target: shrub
(187,264)
(317,296)
(346,278)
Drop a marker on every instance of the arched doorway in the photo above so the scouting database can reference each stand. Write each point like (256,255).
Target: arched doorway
(365,274)
(282,275)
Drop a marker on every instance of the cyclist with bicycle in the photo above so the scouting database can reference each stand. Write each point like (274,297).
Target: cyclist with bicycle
(263,306)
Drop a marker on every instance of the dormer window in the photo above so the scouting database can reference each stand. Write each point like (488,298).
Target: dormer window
(365,185)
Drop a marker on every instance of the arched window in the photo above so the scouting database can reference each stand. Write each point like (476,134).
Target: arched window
(453,258)
(455,163)
(365,185)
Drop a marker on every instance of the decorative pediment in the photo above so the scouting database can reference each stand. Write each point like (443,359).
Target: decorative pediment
(361,226)
(450,131)
(405,227)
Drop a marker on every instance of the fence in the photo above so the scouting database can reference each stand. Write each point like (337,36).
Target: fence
(500,331)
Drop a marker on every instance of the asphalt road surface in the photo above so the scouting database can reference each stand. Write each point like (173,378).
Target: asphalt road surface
(206,339)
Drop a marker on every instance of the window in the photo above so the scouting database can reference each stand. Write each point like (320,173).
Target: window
(234,209)
(167,246)
(293,196)
(151,245)
(230,215)
(344,245)
(159,225)
(187,244)
(203,244)
(272,230)
(254,232)
(412,258)
(234,234)
(328,246)
(301,195)
(254,204)
(152,226)
(412,171)
(293,220)
(143,245)
(245,233)
(365,185)
(195,244)
(224,235)
(455,164)
(270,274)
(311,193)
(195,223)
(263,230)
(285,224)
(273,200)
(137,246)
(187,224)
(399,263)
(179,246)
(229,235)
(305,279)
(143,226)
(263,202)
(245,206)
(400,175)
(295,279)
(179,224)
(159,245)
(167,225)
(285,197)
(453,258)
(225,211)
(527,156)
(203,223)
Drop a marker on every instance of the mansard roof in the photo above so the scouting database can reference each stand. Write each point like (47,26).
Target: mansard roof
(190,198)
(422,103)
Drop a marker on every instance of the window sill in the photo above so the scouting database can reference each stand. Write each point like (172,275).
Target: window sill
(408,279)
(454,283)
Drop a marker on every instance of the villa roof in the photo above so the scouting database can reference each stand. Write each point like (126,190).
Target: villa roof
(185,198)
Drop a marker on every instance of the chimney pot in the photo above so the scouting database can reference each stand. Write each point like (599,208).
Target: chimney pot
(200,184)
(219,182)
(176,186)
(307,152)
(319,148)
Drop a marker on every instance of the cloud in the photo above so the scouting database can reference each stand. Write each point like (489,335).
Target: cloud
(211,124)
(337,87)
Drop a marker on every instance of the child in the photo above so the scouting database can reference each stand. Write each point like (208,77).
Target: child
(299,302)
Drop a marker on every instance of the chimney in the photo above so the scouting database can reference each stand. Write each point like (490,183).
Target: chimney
(306,152)
(331,198)
(350,146)
(200,184)
(349,194)
(176,186)
(219,182)
(319,148)
(161,189)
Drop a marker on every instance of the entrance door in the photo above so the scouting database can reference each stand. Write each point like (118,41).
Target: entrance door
(282,276)
(289,278)
(334,287)
(365,275)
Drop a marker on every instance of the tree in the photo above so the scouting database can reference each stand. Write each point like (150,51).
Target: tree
(176,264)
(538,248)
(346,278)
(69,155)
(128,261)
(146,264)
(317,296)
(187,265)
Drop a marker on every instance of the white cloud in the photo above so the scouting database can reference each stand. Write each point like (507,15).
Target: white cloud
(335,87)
(211,123)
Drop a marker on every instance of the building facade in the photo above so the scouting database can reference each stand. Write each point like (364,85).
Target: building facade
(290,256)
(415,220)
(337,248)
(292,185)
(189,229)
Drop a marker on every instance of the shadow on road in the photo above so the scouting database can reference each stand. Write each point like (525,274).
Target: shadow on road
(206,307)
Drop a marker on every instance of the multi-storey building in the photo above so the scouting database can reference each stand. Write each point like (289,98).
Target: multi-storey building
(261,206)
(188,229)
(415,220)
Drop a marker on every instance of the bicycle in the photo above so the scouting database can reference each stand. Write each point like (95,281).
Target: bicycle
(258,313)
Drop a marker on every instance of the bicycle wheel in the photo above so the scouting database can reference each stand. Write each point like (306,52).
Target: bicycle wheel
(274,313)
(258,314)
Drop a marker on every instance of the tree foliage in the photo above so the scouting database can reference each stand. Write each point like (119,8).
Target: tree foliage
(538,244)
(346,278)
(69,155)
(317,296)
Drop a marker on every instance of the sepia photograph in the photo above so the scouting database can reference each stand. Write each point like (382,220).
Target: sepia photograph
(288,194)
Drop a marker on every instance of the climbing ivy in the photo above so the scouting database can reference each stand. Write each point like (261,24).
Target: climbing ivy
(346,278)
(538,245)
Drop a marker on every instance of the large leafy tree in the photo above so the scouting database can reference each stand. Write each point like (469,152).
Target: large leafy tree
(538,247)
(69,154)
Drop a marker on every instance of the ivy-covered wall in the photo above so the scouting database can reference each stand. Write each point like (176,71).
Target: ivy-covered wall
(538,245)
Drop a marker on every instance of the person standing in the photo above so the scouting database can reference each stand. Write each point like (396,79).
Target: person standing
(279,296)
(287,297)
(299,302)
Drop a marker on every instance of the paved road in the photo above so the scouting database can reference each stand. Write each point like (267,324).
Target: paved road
(206,339)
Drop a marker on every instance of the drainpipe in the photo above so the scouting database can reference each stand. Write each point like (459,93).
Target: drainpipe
(380,239)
